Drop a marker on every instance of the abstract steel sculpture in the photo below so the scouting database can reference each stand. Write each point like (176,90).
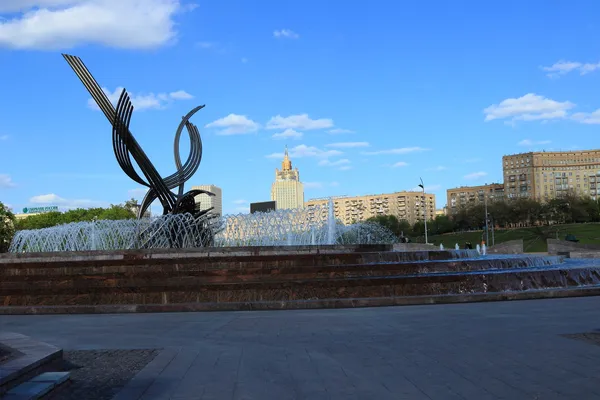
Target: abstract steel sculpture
(125,146)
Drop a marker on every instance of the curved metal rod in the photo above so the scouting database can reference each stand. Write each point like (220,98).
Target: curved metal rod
(183,122)
(121,129)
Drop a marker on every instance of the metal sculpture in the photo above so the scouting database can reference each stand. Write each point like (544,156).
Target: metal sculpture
(125,147)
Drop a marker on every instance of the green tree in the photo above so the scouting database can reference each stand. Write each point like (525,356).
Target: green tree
(391,222)
(7,227)
(46,220)
(441,224)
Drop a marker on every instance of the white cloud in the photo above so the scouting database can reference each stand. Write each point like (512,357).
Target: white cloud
(143,101)
(438,168)
(288,134)
(564,67)
(475,175)
(337,131)
(587,118)
(285,33)
(137,193)
(4,137)
(399,164)
(234,124)
(345,168)
(6,181)
(342,164)
(64,24)
(180,95)
(348,145)
(240,201)
(53,199)
(206,45)
(528,142)
(303,150)
(530,107)
(300,121)
(402,150)
(313,185)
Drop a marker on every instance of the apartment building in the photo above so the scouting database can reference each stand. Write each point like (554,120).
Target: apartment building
(410,206)
(547,175)
(470,195)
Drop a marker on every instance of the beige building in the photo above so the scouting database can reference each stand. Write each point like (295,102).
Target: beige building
(409,206)
(548,175)
(207,201)
(471,195)
(287,191)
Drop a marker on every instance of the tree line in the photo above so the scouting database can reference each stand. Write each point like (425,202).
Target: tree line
(501,214)
(9,224)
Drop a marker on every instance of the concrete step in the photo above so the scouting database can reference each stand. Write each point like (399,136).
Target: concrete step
(37,387)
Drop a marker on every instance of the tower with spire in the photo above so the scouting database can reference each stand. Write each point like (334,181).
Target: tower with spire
(287,191)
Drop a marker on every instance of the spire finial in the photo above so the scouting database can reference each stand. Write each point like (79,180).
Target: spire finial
(286,151)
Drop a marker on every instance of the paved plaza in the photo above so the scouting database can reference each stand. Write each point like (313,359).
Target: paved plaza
(505,350)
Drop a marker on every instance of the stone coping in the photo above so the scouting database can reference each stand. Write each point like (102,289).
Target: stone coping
(195,252)
(592,290)
(34,356)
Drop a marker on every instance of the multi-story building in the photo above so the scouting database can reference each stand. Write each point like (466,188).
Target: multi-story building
(205,201)
(470,195)
(287,191)
(548,175)
(409,206)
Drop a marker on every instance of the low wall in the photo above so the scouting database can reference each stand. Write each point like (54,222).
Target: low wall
(414,247)
(509,247)
(556,246)
(202,252)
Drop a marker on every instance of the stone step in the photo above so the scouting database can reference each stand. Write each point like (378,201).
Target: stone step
(76,262)
(188,290)
(274,268)
(37,387)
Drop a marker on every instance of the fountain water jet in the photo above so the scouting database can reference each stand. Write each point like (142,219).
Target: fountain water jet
(307,226)
(330,222)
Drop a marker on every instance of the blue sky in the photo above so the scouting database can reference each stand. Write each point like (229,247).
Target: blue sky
(368,96)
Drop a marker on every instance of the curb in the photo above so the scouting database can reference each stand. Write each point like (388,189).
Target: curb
(302,304)
(35,357)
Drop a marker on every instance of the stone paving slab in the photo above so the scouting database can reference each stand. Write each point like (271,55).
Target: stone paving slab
(504,350)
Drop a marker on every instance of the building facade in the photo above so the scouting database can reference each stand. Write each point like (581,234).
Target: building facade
(471,195)
(287,191)
(409,206)
(205,201)
(547,175)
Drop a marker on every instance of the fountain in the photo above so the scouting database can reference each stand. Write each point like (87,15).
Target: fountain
(456,247)
(308,226)
(191,260)
(330,222)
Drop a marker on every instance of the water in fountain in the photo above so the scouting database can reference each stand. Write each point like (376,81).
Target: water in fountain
(305,226)
(478,248)
(442,246)
(456,247)
(331,222)
(483,249)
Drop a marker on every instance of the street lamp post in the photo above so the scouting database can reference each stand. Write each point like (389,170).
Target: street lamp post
(422,186)
(487,228)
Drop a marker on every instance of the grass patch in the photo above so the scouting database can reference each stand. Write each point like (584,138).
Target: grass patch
(534,238)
